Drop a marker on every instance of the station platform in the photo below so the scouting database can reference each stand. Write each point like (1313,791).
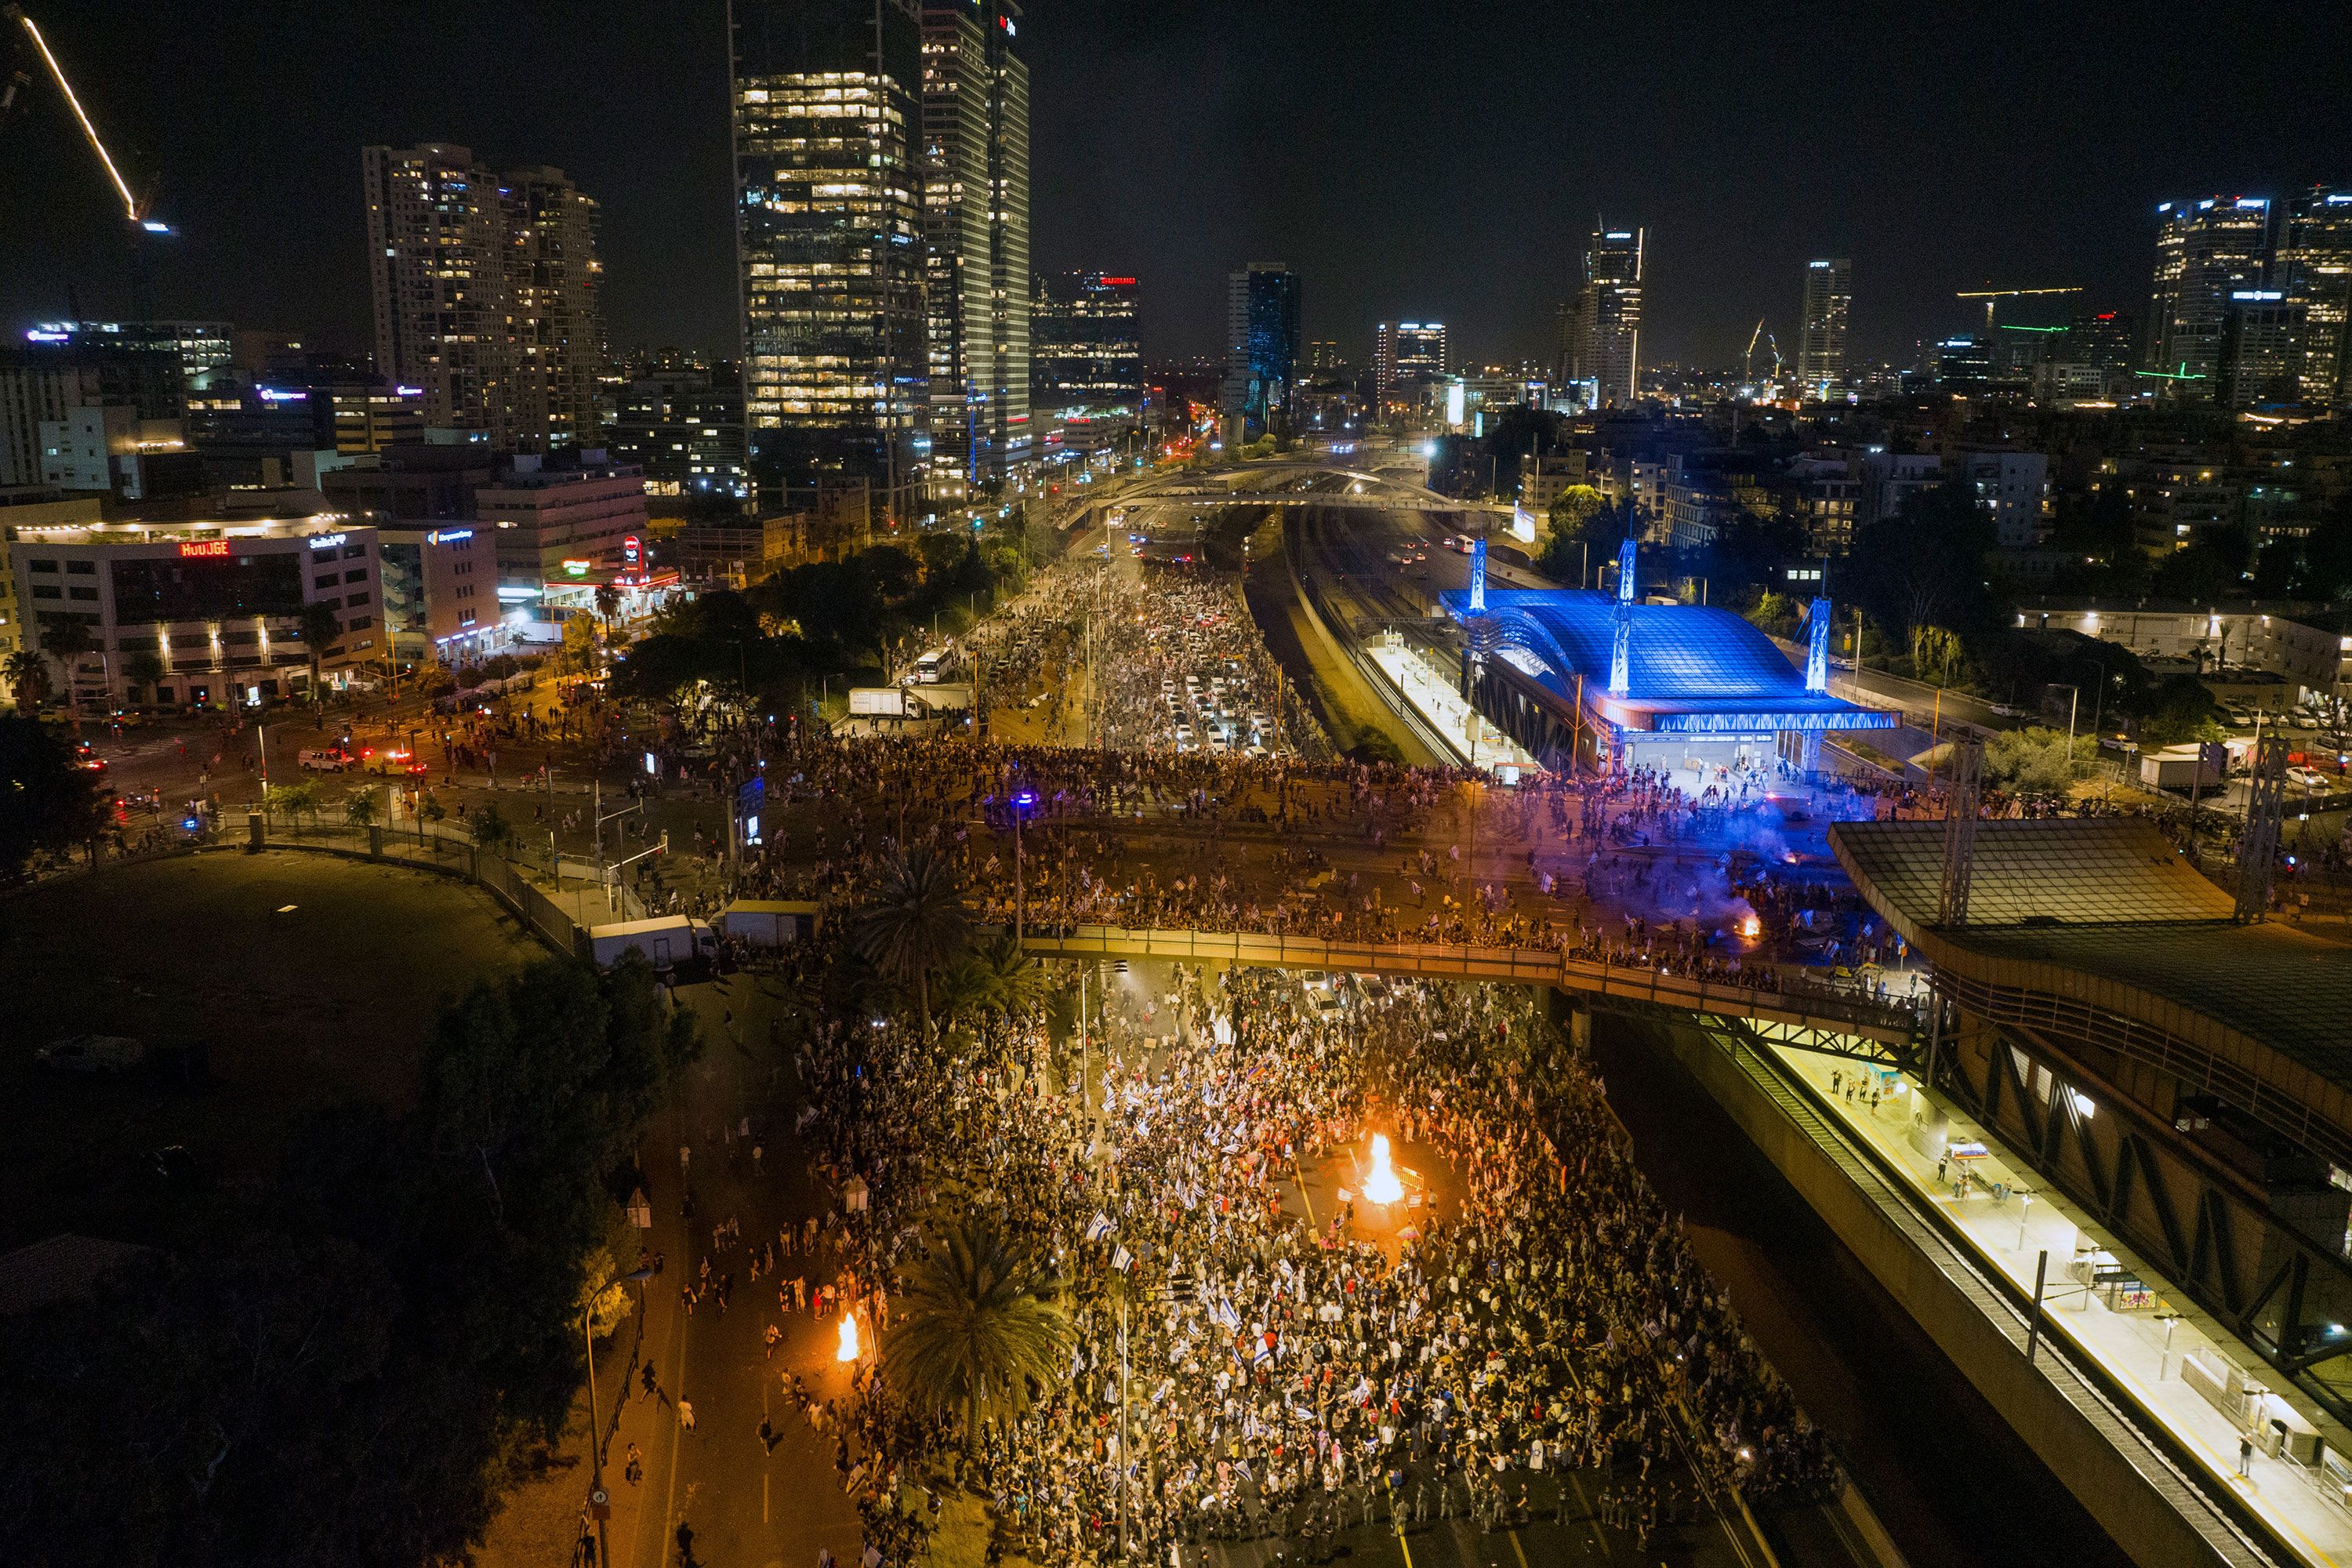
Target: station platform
(2105,1401)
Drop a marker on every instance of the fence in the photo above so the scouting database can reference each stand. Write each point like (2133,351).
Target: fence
(430,847)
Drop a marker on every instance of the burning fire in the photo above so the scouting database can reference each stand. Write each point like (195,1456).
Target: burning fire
(848,1351)
(1750,927)
(1380,1183)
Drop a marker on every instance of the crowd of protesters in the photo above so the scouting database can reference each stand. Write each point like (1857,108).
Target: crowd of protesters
(1527,1311)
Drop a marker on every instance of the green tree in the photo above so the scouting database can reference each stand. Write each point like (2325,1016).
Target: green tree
(912,925)
(2035,760)
(976,1321)
(608,604)
(28,679)
(2212,565)
(579,644)
(295,801)
(45,802)
(320,628)
(67,642)
(360,807)
(1926,567)
(491,830)
(142,671)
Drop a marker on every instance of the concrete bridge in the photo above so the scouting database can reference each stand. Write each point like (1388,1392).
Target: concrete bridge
(1817,1017)
(1278,484)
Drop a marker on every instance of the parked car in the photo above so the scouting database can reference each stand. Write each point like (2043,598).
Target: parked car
(91,1053)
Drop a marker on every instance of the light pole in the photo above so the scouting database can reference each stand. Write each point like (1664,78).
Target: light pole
(1021,801)
(595,1426)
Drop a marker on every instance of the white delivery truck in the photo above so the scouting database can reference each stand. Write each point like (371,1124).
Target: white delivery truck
(877,702)
(667,942)
(2186,767)
(769,923)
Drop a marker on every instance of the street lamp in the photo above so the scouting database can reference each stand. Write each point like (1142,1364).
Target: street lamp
(1021,801)
(595,1424)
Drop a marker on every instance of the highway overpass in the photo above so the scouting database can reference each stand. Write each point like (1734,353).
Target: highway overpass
(1806,1010)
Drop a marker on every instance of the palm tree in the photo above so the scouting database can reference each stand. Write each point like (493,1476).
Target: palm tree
(67,642)
(359,807)
(320,628)
(28,678)
(914,925)
(995,977)
(608,604)
(976,1318)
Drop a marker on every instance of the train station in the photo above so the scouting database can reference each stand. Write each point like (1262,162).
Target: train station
(1620,686)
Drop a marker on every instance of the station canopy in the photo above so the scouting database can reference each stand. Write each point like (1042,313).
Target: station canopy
(1691,670)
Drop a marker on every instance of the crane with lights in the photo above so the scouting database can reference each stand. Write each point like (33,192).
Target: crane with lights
(135,209)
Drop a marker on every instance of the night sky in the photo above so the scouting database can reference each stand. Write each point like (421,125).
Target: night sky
(1409,159)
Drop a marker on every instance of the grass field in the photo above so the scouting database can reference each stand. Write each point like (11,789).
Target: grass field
(322,1003)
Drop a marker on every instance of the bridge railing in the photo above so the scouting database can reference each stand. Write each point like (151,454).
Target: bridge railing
(1794,1000)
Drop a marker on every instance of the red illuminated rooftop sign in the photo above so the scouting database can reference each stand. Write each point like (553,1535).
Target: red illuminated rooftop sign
(205,547)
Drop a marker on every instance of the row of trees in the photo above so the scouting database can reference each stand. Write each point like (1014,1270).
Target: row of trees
(347,1367)
(783,638)
(68,643)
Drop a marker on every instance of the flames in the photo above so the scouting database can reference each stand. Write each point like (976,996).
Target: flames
(848,1351)
(1380,1183)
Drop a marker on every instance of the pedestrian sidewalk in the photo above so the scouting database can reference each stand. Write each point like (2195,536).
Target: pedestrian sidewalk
(2139,1339)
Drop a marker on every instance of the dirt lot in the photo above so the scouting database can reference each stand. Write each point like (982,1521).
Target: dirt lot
(294,1007)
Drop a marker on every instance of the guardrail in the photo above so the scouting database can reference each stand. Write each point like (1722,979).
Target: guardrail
(1803,1007)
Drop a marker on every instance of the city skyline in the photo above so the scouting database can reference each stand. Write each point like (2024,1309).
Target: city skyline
(1999,181)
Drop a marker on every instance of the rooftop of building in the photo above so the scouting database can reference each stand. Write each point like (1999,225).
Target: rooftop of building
(2309,612)
(1689,666)
(183,531)
(2106,914)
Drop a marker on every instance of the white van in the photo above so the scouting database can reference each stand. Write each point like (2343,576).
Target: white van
(327,762)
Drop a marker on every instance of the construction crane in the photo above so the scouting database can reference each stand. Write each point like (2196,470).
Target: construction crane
(1994,296)
(134,209)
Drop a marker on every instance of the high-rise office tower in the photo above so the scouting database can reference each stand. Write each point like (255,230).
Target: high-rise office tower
(2205,251)
(1086,358)
(439,268)
(1262,336)
(2263,345)
(554,313)
(828,239)
(487,291)
(1406,352)
(1609,315)
(975,176)
(1821,335)
(2314,270)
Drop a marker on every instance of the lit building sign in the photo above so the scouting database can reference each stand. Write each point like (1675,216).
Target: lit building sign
(272,394)
(204,548)
(575,568)
(327,542)
(633,552)
(449,535)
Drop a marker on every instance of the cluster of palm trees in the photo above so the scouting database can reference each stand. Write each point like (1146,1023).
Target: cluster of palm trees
(913,932)
(980,1324)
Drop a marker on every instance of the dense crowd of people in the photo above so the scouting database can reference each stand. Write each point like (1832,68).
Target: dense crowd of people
(1246,1365)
